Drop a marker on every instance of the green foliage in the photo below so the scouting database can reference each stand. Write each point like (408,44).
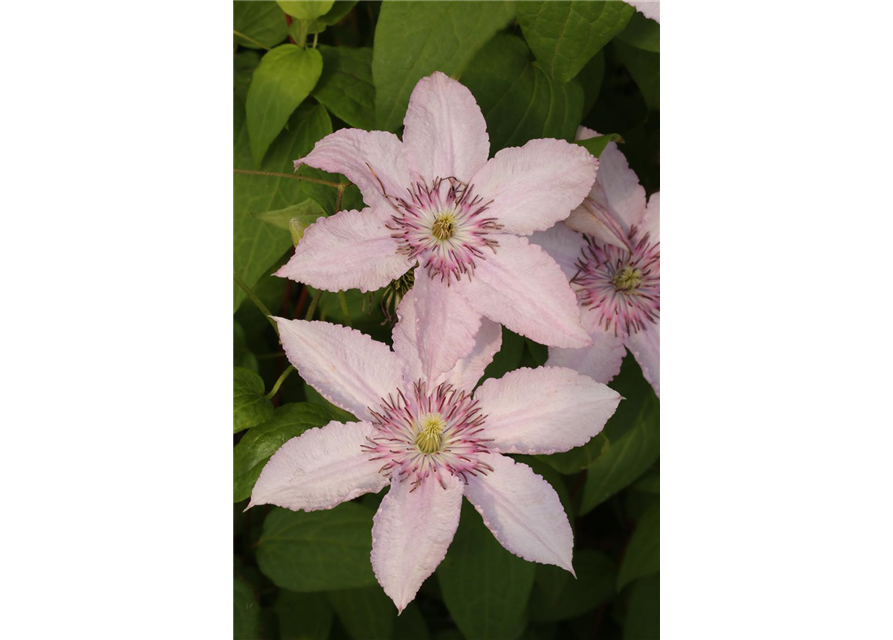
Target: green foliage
(484,586)
(303,616)
(262,22)
(255,448)
(642,33)
(306,9)
(643,612)
(284,78)
(256,244)
(319,550)
(565,35)
(245,611)
(558,596)
(250,407)
(365,613)
(642,556)
(414,39)
(519,100)
(345,87)
(596,145)
(644,67)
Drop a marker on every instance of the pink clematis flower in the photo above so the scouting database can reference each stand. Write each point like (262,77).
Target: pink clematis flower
(648,8)
(432,441)
(437,205)
(614,269)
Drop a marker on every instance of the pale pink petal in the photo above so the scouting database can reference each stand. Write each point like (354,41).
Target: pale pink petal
(467,371)
(444,130)
(411,533)
(616,201)
(534,186)
(651,223)
(446,324)
(544,410)
(564,246)
(524,289)
(648,8)
(349,369)
(645,347)
(320,469)
(349,250)
(523,512)
(372,160)
(601,361)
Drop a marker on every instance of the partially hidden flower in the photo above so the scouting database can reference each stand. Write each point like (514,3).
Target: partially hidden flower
(437,205)
(648,8)
(614,267)
(432,441)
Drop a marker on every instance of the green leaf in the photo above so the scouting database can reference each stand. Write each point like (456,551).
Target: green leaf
(255,448)
(591,79)
(565,35)
(345,86)
(257,245)
(519,100)
(306,213)
(306,9)
(284,78)
(410,625)
(644,67)
(339,9)
(627,457)
(415,39)
(579,458)
(642,557)
(643,612)
(245,612)
(484,586)
(508,358)
(303,616)
(365,613)
(260,21)
(319,550)
(641,33)
(244,64)
(250,407)
(596,145)
(242,356)
(558,596)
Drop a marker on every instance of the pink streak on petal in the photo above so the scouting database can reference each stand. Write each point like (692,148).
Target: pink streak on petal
(349,369)
(537,185)
(411,534)
(645,347)
(445,133)
(447,324)
(350,250)
(523,512)
(544,410)
(601,361)
(524,289)
(361,156)
(564,246)
(320,469)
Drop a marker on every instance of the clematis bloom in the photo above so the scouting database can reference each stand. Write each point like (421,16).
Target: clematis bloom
(437,205)
(614,267)
(432,441)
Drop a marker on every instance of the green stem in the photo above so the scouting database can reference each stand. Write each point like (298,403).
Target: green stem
(279,382)
(250,39)
(343,300)
(313,302)
(257,302)
(336,185)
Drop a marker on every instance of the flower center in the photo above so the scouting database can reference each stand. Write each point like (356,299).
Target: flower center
(621,286)
(429,438)
(444,226)
(627,279)
(423,435)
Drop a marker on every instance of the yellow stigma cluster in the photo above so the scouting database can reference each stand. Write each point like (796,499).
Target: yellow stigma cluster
(443,226)
(627,279)
(429,437)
